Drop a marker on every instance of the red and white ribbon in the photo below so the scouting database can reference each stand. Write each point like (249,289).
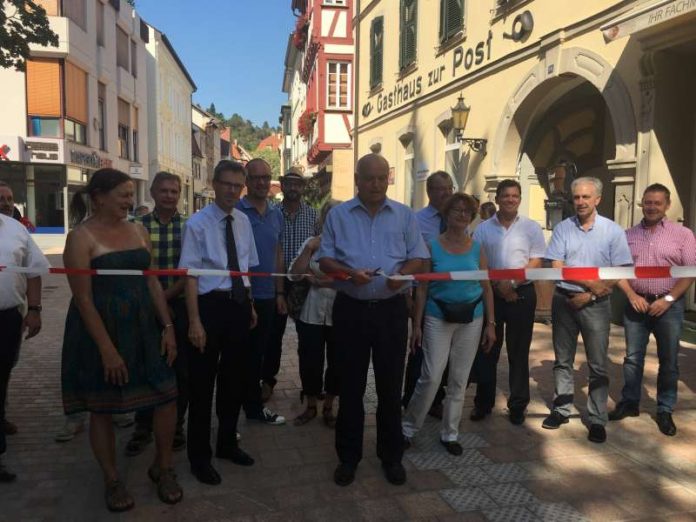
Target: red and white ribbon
(518,274)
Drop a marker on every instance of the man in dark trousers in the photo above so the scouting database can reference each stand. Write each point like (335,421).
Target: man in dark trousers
(365,238)
(221,314)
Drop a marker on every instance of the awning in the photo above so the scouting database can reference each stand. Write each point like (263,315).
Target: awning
(645,17)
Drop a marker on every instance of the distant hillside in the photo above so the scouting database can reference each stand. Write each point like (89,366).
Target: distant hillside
(244,131)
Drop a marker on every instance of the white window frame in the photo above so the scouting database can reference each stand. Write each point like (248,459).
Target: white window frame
(334,2)
(349,79)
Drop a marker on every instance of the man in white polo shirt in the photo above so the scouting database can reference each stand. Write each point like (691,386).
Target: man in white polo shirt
(509,241)
(17,248)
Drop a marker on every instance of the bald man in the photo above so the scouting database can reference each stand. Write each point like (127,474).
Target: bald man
(365,238)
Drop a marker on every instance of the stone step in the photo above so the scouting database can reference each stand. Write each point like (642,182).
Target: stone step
(689,332)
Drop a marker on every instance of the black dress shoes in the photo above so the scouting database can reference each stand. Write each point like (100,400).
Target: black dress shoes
(623,410)
(554,421)
(597,433)
(206,474)
(452,447)
(516,417)
(344,474)
(666,424)
(236,455)
(394,472)
(6,475)
(478,414)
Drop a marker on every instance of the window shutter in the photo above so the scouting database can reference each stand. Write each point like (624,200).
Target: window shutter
(43,88)
(123,113)
(75,11)
(409,21)
(144,32)
(451,18)
(75,93)
(376,51)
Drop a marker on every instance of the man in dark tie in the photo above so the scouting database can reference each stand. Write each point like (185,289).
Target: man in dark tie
(221,313)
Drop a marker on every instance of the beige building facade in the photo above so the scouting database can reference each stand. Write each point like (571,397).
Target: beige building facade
(606,86)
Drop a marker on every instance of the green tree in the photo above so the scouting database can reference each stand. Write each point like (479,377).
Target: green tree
(131,2)
(22,22)
(272,157)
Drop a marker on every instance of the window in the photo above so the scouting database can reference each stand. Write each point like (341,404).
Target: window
(116,4)
(75,131)
(136,148)
(376,51)
(451,18)
(334,2)
(453,154)
(408,36)
(44,127)
(123,129)
(75,103)
(134,59)
(338,85)
(101,115)
(409,170)
(43,87)
(75,11)
(100,24)
(122,47)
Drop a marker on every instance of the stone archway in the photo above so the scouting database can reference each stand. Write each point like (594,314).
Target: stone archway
(557,73)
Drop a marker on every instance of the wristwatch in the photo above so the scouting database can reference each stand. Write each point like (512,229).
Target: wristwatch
(593,297)
(669,298)
(34,308)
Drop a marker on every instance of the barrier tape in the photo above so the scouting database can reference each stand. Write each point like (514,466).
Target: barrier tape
(517,274)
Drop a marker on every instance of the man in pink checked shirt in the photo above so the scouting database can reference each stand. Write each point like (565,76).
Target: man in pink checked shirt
(655,306)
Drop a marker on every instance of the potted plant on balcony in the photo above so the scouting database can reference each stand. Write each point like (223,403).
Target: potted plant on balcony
(299,37)
(306,123)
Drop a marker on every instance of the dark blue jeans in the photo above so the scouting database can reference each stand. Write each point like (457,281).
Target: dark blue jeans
(666,329)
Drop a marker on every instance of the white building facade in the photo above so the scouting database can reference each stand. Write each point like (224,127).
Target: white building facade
(78,107)
(170,88)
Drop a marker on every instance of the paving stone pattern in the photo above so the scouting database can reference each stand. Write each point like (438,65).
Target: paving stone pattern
(507,473)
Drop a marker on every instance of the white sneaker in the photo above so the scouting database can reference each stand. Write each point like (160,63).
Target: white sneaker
(239,436)
(69,430)
(268,417)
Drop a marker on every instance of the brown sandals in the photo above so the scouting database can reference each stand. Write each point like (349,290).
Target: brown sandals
(329,417)
(117,497)
(168,489)
(305,416)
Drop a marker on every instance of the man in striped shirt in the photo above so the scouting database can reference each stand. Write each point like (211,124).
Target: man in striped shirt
(655,306)
(165,226)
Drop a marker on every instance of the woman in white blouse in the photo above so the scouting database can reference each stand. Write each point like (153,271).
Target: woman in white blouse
(315,331)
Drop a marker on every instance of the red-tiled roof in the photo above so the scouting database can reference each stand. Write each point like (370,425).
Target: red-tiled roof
(271,142)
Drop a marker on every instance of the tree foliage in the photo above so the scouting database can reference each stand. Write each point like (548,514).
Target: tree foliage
(22,22)
(244,131)
(272,157)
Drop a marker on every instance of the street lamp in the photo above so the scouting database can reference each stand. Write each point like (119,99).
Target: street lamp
(460,115)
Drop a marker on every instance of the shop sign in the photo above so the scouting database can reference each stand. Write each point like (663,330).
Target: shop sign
(43,150)
(11,148)
(136,171)
(456,63)
(90,160)
(645,18)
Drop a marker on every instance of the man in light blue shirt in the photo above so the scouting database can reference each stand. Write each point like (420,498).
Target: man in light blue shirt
(221,313)
(363,238)
(582,307)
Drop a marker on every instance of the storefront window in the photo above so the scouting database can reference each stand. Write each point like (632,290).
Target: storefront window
(38,194)
(75,132)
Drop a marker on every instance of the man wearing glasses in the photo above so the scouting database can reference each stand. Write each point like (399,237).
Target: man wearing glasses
(221,315)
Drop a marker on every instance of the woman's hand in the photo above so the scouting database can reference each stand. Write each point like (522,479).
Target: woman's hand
(168,345)
(416,338)
(197,335)
(488,339)
(115,371)
(254,318)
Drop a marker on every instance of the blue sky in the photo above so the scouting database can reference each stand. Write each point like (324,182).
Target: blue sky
(233,49)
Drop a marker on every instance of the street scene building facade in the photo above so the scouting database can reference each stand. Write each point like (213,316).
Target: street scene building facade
(205,154)
(170,88)
(78,107)
(319,81)
(602,87)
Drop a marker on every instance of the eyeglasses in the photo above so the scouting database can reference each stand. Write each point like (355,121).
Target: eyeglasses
(233,186)
(461,211)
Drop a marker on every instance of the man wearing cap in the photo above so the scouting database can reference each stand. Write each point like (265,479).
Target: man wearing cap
(365,238)
(655,306)
(299,224)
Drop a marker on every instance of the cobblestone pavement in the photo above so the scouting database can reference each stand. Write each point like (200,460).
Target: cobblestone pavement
(507,473)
